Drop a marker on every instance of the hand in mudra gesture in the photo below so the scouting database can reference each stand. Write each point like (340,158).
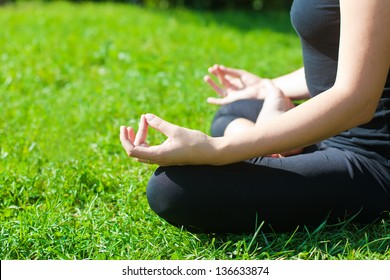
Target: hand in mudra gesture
(235,84)
(183,146)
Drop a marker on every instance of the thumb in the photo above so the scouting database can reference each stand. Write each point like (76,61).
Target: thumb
(224,100)
(218,101)
(161,125)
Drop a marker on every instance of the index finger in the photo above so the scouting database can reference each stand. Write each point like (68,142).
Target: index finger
(142,131)
(147,154)
(237,73)
(222,77)
(220,91)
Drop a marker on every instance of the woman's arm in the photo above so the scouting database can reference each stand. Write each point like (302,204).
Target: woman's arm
(364,61)
(236,84)
(293,85)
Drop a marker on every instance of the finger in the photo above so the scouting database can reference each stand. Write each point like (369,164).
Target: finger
(161,125)
(237,73)
(213,69)
(142,132)
(131,134)
(125,140)
(220,91)
(220,101)
(223,79)
(219,74)
(147,154)
(222,76)
(144,144)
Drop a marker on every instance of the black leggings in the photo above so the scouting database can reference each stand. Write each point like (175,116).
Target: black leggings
(322,183)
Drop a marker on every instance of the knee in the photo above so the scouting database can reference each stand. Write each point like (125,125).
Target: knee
(163,195)
(221,120)
(246,109)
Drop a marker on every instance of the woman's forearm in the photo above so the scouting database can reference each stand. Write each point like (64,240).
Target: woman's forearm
(293,84)
(317,119)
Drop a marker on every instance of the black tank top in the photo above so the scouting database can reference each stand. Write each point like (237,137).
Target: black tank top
(317,22)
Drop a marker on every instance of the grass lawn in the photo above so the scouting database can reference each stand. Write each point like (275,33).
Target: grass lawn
(71,74)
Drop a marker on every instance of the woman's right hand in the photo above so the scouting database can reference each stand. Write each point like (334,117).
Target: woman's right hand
(183,146)
(235,84)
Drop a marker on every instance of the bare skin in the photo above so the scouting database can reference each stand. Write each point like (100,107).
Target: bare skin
(363,66)
(238,84)
(275,104)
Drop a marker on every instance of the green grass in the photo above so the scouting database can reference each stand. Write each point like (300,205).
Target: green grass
(71,74)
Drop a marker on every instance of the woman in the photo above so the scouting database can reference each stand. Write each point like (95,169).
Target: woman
(328,158)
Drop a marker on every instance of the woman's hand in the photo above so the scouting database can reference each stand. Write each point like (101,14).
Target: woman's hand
(182,147)
(235,84)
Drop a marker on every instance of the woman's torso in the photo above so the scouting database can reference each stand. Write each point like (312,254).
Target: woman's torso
(318,24)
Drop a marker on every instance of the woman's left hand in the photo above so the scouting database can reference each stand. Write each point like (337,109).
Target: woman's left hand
(182,147)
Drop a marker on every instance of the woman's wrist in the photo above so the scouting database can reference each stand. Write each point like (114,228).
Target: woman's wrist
(226,150)
(293,85)
(216,152)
